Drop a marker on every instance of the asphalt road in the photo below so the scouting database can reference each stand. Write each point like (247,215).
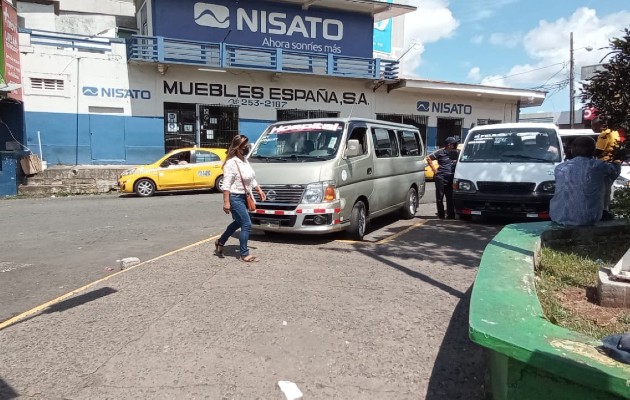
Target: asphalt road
(383,318)
(51,246)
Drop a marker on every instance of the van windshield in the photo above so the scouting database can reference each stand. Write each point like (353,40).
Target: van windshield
(512,145)
(303,142)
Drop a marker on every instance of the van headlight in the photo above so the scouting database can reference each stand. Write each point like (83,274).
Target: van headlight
(548,187)
(319,192)
(464,185)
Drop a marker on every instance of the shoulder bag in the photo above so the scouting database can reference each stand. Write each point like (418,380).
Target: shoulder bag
(251,203)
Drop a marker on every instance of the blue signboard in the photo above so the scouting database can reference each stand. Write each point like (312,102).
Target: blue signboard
(265,24)
(383,35)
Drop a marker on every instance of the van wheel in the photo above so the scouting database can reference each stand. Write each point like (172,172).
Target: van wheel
(411,204)
(144,187)
(358,221)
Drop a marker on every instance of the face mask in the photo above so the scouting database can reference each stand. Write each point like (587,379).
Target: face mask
(245,150)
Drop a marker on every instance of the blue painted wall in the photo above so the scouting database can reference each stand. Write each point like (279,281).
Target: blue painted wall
(66,138)
(142,137)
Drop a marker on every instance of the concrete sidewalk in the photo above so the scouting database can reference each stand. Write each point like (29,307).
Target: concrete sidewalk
(342,320)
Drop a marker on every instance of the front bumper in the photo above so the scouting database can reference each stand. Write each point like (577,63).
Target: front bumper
(315,219)
(532,205)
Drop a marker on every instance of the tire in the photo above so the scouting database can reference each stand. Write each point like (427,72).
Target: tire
(358,222)
(411,204)
(463,217)
(144,187)
(218,183)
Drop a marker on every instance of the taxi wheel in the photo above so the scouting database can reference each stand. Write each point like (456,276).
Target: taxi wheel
(411,205)
(218,183)
(144,187)
(358,221)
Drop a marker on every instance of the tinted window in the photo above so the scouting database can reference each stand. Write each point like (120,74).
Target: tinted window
(409,143)
(385,142)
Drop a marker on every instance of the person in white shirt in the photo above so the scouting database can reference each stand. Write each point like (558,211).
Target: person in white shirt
(238,180)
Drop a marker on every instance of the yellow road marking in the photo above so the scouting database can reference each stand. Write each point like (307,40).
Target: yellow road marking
(59,299)
(387,239)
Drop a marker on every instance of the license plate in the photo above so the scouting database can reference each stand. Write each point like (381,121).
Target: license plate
(475,212)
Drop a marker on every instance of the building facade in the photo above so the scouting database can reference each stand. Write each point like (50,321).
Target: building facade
(197,73)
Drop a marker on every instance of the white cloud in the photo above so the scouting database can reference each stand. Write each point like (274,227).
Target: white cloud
(474,74)
(431,22)
(548,46)
(506,39)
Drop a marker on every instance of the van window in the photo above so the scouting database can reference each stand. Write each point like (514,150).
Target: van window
(359,134)
(385,142)
(513,145)
(409,143)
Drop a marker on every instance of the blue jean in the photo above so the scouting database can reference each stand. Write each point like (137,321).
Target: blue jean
(241,219)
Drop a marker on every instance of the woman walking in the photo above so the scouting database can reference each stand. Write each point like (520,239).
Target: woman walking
(238,180)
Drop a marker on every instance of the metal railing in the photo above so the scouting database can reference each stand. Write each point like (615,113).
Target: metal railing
(221,55)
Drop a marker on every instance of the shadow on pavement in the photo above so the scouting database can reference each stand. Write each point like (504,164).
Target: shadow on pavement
(70,303)
(6,391)
(460,366)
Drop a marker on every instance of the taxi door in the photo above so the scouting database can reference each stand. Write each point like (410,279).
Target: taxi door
(177,174)
(207,168)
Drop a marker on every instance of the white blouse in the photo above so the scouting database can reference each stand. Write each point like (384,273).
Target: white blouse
(232,180)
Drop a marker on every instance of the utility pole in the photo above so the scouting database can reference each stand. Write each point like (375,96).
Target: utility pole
(571,79)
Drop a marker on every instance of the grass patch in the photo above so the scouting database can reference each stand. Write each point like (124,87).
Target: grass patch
(566,282)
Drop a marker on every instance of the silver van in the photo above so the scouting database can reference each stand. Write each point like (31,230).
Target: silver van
(333,174)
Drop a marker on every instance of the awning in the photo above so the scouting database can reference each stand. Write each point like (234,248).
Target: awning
(6,88)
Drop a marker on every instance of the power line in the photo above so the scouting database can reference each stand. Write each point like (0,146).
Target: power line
(525,72)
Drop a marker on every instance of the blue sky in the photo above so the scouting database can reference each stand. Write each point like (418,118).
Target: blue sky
(512,43)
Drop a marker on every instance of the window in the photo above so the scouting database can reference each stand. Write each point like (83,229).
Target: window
(360,135)
(56,85)
(205,157)
(409,143)
(385,142)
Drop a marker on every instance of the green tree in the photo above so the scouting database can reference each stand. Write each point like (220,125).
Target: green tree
(609,89)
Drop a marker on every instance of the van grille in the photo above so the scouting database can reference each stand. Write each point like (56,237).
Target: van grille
(506,187)
(282,195)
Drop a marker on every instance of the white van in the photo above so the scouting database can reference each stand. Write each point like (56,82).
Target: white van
(326,175)
(507,169)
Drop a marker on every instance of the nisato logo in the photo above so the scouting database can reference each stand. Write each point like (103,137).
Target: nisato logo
(423,106)
(275,23)
(212,15)
(116,93)
(90,91)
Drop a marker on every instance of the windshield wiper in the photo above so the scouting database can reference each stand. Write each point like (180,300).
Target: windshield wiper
(524,157)
(268,158)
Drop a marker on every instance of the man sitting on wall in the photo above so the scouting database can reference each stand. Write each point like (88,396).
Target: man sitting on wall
(580,185)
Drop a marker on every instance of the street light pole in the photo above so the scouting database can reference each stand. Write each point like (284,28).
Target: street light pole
(571,79)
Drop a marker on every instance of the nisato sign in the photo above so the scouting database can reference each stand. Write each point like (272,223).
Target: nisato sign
(116,93)
(265,24)
(444,108)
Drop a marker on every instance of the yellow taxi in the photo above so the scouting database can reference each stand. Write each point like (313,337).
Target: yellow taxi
(185,168)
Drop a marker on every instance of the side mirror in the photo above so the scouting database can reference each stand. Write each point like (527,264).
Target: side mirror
(353,148)
(165,164)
